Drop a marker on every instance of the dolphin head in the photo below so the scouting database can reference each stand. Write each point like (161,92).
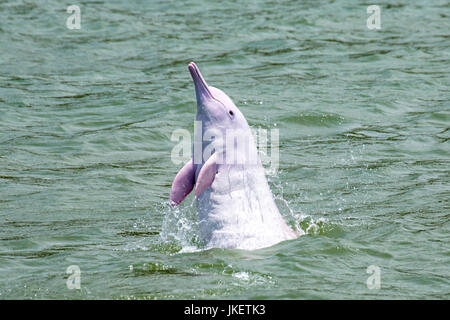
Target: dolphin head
(214,107)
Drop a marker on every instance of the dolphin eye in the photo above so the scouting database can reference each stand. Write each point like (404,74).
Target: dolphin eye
(231,113)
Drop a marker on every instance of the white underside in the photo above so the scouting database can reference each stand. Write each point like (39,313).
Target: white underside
(238,211)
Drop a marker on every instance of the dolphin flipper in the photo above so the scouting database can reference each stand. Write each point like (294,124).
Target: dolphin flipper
(206,175)
(183,183)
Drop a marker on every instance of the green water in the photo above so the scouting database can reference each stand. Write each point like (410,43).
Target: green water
(86,118)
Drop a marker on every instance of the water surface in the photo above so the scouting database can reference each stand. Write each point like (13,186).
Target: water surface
(86,118)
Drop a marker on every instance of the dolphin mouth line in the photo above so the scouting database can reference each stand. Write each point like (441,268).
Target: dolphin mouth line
(198,78)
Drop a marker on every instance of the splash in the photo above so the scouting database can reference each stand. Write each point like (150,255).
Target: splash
(180,228)
(302,223)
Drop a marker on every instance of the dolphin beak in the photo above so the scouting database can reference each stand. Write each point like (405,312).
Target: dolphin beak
(201,87)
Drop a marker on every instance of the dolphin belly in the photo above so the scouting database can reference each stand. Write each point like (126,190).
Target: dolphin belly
(238,211)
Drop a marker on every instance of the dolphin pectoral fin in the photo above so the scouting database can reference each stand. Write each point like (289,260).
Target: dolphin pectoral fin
(183,183)
(206,175)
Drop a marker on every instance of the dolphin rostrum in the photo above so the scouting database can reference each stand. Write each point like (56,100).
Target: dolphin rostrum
(235,206)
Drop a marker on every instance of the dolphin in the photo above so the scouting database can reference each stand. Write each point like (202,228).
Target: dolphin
(235,205)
